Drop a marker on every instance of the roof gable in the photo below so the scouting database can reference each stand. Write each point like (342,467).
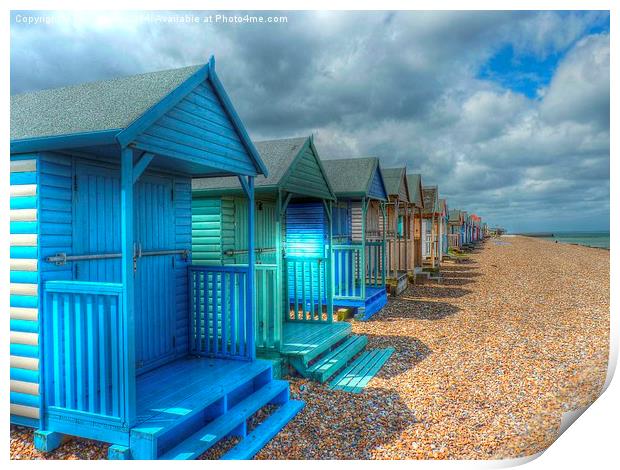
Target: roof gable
(376,187)
(396,183)
(356,177)
(306,175)
(414,180)
(92,107)
(183,114)
(293,165)
(431,199)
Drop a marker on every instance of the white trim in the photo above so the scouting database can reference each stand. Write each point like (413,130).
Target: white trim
(24,289)
(23,264)
(28,388)
(24,239)
(20,190)
(24,313)
(29,363)
(23,215)
(19,337)
(21,166)
(27,411)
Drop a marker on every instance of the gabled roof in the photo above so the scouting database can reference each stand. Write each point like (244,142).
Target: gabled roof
(396,182)
(92,107)
(353,177)
(281,158)
(431,199)
(414,180)
(119,110)
(443,206)
(455,216)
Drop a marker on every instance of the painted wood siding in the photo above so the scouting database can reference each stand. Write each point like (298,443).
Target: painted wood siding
(377,189)
(24,289)
(206,231)
(306,177)
(183,241)
(306,229)
(356,221)
(198,129)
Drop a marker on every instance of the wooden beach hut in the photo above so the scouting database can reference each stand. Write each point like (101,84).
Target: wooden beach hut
(430,226)
(399,240)
(295,325)
(443,228)
(115,336)
(416,208)
(359,246)
(455,224)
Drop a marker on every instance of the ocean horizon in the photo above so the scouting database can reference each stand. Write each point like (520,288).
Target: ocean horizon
(595,239)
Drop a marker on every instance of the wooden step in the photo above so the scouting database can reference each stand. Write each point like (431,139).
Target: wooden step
(361,371)
(264,432)
(334,360)
(220,427)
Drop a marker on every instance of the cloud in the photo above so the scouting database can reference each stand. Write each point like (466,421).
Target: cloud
(403,86)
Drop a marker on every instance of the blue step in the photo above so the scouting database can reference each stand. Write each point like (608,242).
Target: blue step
(220,427)
(256,440)
(361,371)
(334,360)
(375,306)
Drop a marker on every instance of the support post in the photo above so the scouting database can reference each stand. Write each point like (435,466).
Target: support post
(329,291)
(383,247)
(280,275)
(127,240)
(251,256)
(363,253)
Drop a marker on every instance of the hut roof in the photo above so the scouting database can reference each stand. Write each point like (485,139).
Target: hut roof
(355,177)
(92,107)
(443,206)
(455,216)
(396,182)
(414,180)
(431,199)
(280,157)
(118,110)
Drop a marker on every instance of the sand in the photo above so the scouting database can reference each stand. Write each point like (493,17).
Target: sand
(486,363)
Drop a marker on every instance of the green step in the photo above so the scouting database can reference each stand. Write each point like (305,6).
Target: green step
(220,427)
(361,371)
(334,360)
(264,432)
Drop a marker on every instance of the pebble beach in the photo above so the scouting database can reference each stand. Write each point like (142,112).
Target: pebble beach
(486,363)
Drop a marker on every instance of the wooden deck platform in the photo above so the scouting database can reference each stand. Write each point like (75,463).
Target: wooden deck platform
(189,405)
(376,299)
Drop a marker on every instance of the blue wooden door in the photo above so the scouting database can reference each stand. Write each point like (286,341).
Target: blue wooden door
(96,231)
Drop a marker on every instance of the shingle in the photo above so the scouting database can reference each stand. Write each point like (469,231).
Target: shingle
(393,178)
(430,199)
(350,175)
(414,180)
(94,106)
(278,155)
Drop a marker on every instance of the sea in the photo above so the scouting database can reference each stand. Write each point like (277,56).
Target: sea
(594,239)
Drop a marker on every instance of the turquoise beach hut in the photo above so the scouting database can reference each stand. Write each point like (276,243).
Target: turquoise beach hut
(115,336)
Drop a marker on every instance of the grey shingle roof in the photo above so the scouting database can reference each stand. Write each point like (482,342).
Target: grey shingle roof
(278,155)
(454,215)
(430,199)
(95,106)
(414,181)
(392,178)
(350,175)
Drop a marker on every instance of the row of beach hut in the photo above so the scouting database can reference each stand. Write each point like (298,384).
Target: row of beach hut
(166,271)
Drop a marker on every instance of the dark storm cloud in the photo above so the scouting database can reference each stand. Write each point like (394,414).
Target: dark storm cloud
(400,85)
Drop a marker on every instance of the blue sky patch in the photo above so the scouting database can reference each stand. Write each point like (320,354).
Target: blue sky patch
(526,73)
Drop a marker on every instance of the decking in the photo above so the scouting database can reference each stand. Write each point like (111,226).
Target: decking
(189,405)
(375,299)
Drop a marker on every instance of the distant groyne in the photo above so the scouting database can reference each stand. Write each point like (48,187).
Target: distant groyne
(537,234)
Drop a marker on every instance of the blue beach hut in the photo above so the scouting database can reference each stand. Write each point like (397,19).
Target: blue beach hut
(359,234)
(115,336)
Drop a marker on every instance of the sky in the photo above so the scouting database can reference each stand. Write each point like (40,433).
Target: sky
(507,112)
